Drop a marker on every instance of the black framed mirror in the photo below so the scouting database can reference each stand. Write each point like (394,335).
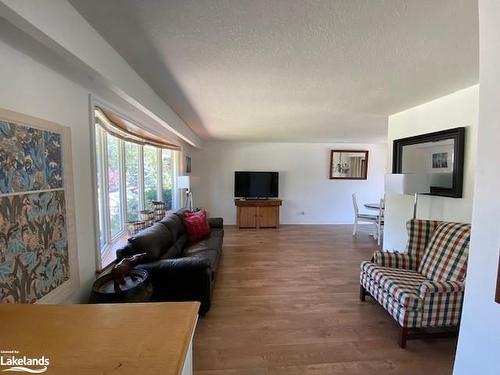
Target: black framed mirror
(439,154)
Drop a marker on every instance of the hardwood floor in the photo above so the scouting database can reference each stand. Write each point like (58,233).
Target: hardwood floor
(287,302)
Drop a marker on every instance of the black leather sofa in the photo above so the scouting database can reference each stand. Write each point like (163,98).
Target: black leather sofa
(179,271)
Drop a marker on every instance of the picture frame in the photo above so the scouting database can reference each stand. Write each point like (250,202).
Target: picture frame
(440,160)
(348,164)
(43,187)
(188,164)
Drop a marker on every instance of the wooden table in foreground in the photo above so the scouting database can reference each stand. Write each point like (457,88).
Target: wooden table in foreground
(138,338)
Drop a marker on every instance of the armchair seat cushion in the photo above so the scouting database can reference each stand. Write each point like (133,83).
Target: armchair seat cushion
(402,285)
(405,317)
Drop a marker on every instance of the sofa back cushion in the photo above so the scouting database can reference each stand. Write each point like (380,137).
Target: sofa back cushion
(174,225)
(176,249)
(154,241)
(181,212)
(419,234)
(445,257)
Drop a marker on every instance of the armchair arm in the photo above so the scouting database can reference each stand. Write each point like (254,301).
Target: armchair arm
(441,303)
(430,287)
(393,260)
(216,222)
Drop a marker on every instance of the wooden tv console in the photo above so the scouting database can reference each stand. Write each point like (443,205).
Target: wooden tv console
(258,213)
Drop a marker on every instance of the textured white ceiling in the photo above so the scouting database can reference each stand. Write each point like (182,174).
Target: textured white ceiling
(293,70)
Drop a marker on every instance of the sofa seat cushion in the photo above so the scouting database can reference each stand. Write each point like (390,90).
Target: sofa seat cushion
(154,241)
(403,285)
(213,241)
(404,316)
(211,254)
(209,247)
(217,234)
(445,257)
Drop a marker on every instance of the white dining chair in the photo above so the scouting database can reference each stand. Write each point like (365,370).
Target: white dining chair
(360,217)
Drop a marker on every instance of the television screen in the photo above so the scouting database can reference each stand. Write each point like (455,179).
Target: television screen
(256,184)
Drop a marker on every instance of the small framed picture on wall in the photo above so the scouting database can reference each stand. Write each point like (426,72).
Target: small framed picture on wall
(188,164)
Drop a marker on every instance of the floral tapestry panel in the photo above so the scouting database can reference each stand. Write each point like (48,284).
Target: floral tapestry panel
(33,245)
(30,159)
(53,160)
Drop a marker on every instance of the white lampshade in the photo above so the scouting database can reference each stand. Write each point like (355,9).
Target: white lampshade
(187,182)
(184,182)
(407,183)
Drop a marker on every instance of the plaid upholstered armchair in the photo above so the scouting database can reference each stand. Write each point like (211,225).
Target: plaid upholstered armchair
(423,287)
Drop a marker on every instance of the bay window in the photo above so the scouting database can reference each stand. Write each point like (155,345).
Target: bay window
(130,173)
(151,175)
(167,164)
(133,182)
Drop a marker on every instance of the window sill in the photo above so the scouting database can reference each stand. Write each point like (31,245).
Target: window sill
(108,254)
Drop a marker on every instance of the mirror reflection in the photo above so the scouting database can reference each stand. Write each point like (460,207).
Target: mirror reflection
(433,158)
(347,164)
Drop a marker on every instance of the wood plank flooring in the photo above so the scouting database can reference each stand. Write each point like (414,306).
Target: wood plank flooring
(287,302)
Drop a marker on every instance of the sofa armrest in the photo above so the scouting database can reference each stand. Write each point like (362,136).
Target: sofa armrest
(393,260)
(177,267)
(216,222)
(432,287)
(181,279)
(125,252)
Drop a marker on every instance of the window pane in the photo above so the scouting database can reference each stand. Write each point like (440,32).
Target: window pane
(150,174)
(132,180)
(115,211)
(168,177)
(100,197)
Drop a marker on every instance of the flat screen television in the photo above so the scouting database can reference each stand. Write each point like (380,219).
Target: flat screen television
(256,184)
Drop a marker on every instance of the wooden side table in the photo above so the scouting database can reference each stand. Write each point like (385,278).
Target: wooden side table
(138,288)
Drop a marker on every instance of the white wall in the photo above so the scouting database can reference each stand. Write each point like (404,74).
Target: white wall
(451,111)
(479,341)
(304,179)
(51,59)
(36,90)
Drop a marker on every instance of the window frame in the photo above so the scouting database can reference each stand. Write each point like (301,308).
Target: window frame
(111,243)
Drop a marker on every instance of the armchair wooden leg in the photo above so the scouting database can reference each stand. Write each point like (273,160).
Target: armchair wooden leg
(362,293)
(403,337)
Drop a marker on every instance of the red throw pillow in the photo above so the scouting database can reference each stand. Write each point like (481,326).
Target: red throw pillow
(196,224)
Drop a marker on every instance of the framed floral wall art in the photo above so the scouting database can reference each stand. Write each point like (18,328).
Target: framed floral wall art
(38,255)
